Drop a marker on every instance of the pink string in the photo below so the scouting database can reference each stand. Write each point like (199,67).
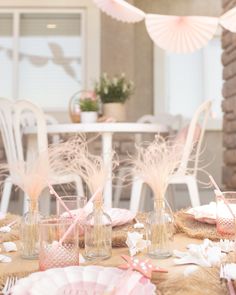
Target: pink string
(12,223)
(77,218)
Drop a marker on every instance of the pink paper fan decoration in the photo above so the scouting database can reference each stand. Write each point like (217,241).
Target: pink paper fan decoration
(181,34)
(121,10)
(228,20)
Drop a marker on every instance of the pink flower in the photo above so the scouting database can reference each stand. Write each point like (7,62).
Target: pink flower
(88,95)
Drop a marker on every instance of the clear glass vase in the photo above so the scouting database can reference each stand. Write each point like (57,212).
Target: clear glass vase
(29,232)
(98,234)
(160,230)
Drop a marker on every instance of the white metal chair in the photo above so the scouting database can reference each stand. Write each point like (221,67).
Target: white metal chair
(11,114)
(173,123)
(182,175)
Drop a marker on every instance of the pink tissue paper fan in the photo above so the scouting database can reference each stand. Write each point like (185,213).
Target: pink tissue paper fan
(228,20)
(121,10)
(84,280)
(181,34)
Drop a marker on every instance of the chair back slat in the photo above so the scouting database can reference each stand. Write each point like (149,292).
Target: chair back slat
(202,112)
(7,130)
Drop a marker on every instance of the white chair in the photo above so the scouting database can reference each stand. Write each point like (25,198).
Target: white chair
(173,123)
(11,114)
(28,120)
(182,175)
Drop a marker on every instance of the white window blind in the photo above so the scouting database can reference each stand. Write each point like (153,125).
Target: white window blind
(6,52)
(188,80)
(51,53)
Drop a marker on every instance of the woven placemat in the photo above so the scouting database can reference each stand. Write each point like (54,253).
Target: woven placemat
(14,234)
(205,281)
(195,229)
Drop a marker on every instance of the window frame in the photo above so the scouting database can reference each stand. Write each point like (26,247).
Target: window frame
(160,83)
(90,30)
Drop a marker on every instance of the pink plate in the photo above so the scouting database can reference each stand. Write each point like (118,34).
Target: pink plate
(118,216)
(205,213)
(84,280)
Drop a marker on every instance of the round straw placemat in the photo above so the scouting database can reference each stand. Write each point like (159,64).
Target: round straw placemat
(195,229)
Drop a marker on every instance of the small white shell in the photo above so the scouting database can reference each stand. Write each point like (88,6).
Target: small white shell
(136,243)
(138,225)
(5,229)
(9,246)
(6,259)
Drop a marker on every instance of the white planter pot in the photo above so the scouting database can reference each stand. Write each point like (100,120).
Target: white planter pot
(89,117)
(115,110)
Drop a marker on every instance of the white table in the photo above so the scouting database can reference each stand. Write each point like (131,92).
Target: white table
(107,130)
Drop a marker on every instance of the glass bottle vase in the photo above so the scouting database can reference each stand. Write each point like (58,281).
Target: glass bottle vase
(159,230)
(29,233)
(98,234)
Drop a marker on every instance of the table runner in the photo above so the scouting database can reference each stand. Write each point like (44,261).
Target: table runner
(172,283)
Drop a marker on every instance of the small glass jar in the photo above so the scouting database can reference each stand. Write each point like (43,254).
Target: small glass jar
(226,214)
(98,234)
(29,231)
(74,107)
(159,230)
(59,243)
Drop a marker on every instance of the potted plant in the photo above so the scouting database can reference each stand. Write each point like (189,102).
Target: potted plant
(89,107)
(113,93)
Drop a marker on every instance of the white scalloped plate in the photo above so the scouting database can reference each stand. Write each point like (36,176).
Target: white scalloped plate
(204,213)
(118,216)
(84,280)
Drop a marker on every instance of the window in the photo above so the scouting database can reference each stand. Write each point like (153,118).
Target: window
(189,79)
(46,56)
(6,45)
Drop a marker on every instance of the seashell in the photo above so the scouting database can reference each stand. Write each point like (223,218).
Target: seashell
(136,243)
(85,279)
(5,229)
(9,246)
(138,225)
(207,254)
(5,259)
